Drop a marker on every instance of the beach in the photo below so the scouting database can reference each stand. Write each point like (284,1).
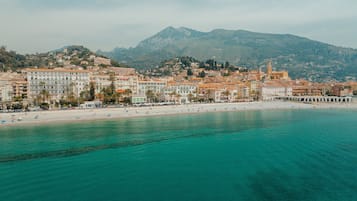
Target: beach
(77,115)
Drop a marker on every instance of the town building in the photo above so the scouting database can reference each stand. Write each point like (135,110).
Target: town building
(101,61)
(100,81)
(180,92)
(6,91)
(138,99)
(59,83)
(306,88)
(276,75)
(18,85)
(341,90)
(274,89)
(155,86)
(127,83)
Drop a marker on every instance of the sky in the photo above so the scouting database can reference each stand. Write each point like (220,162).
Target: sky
(30,26)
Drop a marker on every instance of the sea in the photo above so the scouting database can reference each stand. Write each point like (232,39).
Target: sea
(284,155)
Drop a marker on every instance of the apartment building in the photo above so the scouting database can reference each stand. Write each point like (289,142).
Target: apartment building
(180,92)
(58,83)
(127,82)
(156,86)
(5,91)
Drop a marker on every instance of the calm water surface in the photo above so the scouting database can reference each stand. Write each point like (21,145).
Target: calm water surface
(255,155)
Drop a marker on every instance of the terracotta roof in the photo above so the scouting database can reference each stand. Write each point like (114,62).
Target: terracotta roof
(54,70)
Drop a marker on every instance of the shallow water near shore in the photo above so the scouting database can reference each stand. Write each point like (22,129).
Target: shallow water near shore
(245,155)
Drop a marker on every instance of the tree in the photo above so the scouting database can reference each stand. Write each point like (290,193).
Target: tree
(91,91)
(226,94)
(114,63)
(44,94)
(75,61)
(226,65)
(109,96)
(172,94)
(127,92)
(189,72)
(112,84)
(150,95)
(202,74)
(201,65)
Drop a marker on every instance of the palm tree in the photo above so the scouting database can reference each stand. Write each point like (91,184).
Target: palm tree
(150,95)
(44,94)
(127,92)
(91,91)
(172,94)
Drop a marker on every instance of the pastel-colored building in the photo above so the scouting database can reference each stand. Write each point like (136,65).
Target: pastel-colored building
(127,82)
(273,89)
(6,91)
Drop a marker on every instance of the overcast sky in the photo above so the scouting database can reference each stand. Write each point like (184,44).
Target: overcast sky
(29,26)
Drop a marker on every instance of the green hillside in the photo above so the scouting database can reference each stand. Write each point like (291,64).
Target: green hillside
(74,55)
(302,57)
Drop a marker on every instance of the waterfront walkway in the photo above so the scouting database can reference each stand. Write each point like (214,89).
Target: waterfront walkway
(317,99)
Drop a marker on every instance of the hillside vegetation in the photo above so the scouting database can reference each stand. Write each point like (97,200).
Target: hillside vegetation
(302,57)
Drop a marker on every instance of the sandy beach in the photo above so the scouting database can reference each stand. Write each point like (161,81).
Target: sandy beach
(62,116)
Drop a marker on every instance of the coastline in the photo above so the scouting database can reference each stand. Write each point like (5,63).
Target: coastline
(80,115)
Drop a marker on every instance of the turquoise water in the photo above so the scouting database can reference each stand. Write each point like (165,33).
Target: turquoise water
(255,155)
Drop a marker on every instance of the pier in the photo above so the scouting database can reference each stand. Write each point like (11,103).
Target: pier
(317,99)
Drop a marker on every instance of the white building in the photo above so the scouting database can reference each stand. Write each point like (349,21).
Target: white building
(273,89)
(101,81)
(224,95)
(156,86)
(58,82)
(181,93)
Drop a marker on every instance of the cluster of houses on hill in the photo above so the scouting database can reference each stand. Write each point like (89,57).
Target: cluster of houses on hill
(51,85)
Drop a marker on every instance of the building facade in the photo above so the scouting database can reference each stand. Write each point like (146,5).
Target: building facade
(156,86)
(6,91)
(59,83)
(180,93)
(274,89)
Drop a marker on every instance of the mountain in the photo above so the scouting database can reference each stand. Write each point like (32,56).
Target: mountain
(302,57)
(69,55)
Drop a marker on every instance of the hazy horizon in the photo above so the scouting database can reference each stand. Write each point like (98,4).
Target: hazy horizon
(30,26)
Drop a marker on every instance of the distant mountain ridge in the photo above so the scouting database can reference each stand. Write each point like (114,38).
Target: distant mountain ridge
(302,57)
(75,54)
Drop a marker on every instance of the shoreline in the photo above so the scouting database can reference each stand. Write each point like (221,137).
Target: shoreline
(101,114)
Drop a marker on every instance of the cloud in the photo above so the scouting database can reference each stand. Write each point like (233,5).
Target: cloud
(42,25)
